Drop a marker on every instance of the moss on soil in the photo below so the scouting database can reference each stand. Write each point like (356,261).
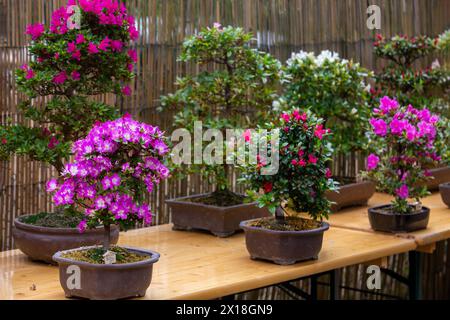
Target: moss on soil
(223,198)
(95,255)
(289,224)
(60,219)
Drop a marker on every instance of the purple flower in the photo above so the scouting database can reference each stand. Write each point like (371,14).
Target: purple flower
(402,192)
(387,104)
(372,161)
(397,126)
(76,75)
(35,30)
(116,45)
(126,91)
(52,185)
(100,203)
(80,39)
(92,48)
(107,183)
(115,180)
(379,126)
(104,44)
(411,132)
(82,226)
(60,78)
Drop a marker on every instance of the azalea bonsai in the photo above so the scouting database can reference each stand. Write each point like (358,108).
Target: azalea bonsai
(233,90)
(299,186)
(115,164)
(403,138)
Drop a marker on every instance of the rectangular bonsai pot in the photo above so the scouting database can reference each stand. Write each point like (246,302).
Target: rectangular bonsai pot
(220,221)
(441,175)
(353,194)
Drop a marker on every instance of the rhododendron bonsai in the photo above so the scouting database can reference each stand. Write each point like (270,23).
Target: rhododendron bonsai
(114,166)
(299,186)
(403,141)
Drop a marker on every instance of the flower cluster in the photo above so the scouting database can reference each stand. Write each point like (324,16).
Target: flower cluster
(404,139)
(113,166)
(303,176)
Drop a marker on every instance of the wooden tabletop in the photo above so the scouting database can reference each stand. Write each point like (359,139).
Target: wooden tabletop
(200,266)
(438,225)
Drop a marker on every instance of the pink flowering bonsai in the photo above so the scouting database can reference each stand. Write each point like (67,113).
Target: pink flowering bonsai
(84,52)
(403,140)
(114,166)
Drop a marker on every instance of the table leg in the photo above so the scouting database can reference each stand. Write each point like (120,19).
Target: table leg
(415,275)
(313,287)
(335,283)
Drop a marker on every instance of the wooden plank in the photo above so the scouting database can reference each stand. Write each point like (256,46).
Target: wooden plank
(199,266)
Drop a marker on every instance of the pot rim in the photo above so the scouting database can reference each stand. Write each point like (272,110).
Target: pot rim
(26,226)
(180,201)
(445,185)
(324,227)
(375,210)
(154,257)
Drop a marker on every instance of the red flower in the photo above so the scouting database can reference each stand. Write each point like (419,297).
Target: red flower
(4,141)
(312,159)
(52,143)
(328,173)
(267,186)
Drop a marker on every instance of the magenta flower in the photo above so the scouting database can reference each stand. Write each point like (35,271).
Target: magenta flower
(52,185)
(411,132)
(82,226)
(328,173)
(116,45)
(71,47)
(312,159)
(104,44)
(286,117)
(76,75)
(387,105)
(60,78)
(403,192)
(30,74)
(35,30)
(92,48)
(126,91)
(80,39)
(115,180)
(52,143)
(107,183)
(320,131)
(379,126)
(133,55)
(247,135)
(372,162)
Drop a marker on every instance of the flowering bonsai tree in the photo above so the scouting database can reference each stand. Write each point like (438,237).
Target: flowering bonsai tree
(303,177)
(334,89)
(403,139)
(114,165)
(236,94)
(84,53)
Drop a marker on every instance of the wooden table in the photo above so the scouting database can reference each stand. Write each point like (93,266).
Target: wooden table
(200,266)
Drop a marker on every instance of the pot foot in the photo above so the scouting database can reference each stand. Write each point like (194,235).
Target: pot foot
(222,234)
(141,294)
(284,262)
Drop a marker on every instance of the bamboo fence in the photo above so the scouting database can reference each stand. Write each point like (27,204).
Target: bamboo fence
(280,27)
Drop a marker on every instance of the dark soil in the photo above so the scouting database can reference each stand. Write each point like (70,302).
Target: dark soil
(223,198)
(290,224)
(95,255)
(60,219)
(389,210)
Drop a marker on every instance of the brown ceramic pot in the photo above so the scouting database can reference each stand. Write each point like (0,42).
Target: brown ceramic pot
(220,221)
(396,222)
(41,243)
(283,247)
(445,193)
(441,175)
(106,282)
(353,194)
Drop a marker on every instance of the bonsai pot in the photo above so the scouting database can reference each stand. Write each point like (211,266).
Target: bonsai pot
(353,194)
(382,220)
(283,247)
(445,193)
(220,221)
(41,243)
(106,281)
(441,175)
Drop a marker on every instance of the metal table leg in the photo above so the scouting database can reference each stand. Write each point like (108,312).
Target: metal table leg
(415,275)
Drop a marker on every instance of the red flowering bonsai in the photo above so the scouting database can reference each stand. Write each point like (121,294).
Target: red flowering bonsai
(303,176)
(84,53)
(403,139)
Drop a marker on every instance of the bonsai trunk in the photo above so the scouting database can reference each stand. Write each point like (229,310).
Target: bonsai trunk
(107,237)
(279,215)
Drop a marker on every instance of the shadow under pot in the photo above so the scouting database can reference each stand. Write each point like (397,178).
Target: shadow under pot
(444,189)
(105,281)
(41,243)
(189,215)
(283,247)
(382,218)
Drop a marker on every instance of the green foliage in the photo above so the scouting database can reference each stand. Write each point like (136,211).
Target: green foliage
(303,177)
(234,88)
(334,89)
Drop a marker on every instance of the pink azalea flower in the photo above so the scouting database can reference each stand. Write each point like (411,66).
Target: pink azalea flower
(247,135)
(133,55)
(60,78)
(126,91)
(104,44)
(92,48)
(30,74)
(402,192)
(35,30)
(116,45)
(82,226)
(76,75)
(372,161)
(312,159)
(302,163)
(286,117)
(115,180)
(379,126)
(52,185)
(319,131)
(328,173)
(80,38)
(77,55)
(53,143)
(71,47)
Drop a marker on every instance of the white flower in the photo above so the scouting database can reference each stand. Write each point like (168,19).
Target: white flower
(326,55)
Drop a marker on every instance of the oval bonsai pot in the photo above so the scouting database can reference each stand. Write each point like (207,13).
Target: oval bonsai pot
(381,220)
(41,243)
(283,247)
(353,194)
(220,221)
(444,189)
(441,175)
(106,282)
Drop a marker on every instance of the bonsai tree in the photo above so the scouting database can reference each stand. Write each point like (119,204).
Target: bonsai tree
(303,176)
(334,89)
(84,53)
(114,165)
(426,87)
(233,90)
(404,141)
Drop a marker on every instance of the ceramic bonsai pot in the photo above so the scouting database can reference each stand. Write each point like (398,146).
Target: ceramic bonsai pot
(441,175)
(107,282)
(445,193)
(283,247)
(353,194)
(380,220)
(220,221)
(41,243)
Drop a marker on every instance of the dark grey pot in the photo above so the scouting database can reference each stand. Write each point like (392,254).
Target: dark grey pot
(41,243)
(283,247)
(394,223)
(444,189)
(349,195)
(106,282)
(220,221)
(441,175)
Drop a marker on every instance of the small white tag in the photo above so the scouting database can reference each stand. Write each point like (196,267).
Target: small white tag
(109,257)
